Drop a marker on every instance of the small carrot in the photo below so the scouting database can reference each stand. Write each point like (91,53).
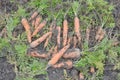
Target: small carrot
(33,15)
(81,76)
(87,34)
(39,40)
(37,21)
(67,64)
(58,55)
(77,28)
(38,55)
(27,28)
(33,23)
(58,36)
(92,69)
(72,53)
(65,31)
(74,41)
(40,26)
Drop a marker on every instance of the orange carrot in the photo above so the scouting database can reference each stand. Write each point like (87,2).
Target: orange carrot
(33,15)
(67,64)
(77,28)
(58,36)
(72,53)
(87,34)
(65,32)
(74,41)
(37,54)
(39,40)
(27,28)
(37,21)
(92,69)
(33,23)
(41,25)
(81,76)
(58,55)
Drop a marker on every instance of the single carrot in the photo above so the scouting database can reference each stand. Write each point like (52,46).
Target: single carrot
(72,53)
(66,64)
(92,69)
(39,40)
(81,76)
(33,15)
(33,23)
(58,55)
(77,28)
(87,34)
(100,34)
(27,28)
(65,31)
(37,21)
(58,36)
(37,54)
(40,26)
(74,41)
(55,50)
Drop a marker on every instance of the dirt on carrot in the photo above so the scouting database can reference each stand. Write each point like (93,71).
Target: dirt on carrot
(58,36)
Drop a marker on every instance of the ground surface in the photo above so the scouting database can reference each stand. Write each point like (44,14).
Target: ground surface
(6,69)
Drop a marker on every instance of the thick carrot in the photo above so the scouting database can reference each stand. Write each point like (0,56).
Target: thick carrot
(58,55)
(65,31)
(40,26)
(92,69)
(33,15)
(58,36)
(37,21)
(27,28)
(67,64)
(72,53)
(39,40)
(77,28)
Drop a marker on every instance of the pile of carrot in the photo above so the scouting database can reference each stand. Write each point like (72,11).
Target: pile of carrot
(62,49)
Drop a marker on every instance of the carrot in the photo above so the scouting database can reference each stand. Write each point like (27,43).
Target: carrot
(100,34)
(92,69)
(65,31)
(74,41)
(76,28)
(37,21)
(81,76)
(87,34)
(37,54)
(115,43)
(33,23)
(33,15)
(40,26)
(39,40)
(27,28)
(67,64)
(58,36)
(58,55)
(72,53)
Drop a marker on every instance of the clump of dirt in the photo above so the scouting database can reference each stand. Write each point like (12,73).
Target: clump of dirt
(6,70)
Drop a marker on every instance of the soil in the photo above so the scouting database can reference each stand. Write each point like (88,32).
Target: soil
(7,69)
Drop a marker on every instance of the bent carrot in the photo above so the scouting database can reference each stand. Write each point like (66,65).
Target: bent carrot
(41,25)
(72,53)
(37,21)
(33,15)
(67,64)
(77,28)
(27,28)
(58,36)
(58,55)
(65,31)
(39,40)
